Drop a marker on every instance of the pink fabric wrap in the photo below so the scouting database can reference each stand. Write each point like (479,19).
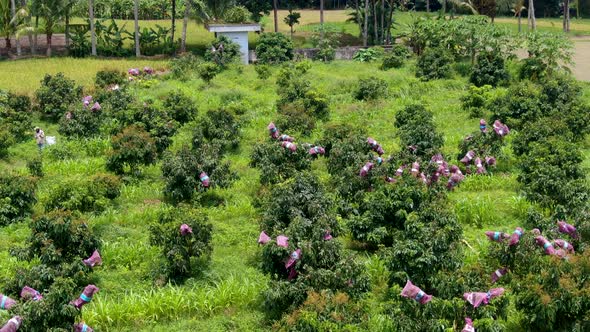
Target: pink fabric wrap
(81,327)
(273,131)
(12,325)
(365,169)
(290,146)
(454,179)
(468,157)
(263,238)
(438,159)
(547,246)
(85,297)
(185,230)
(317,150)
(567,229)
(468,325)
(490,161)
(415,170)
(515,237)
(479,165)
(375,146)
(96,107)
(500,128)
(204,179)
(148,70)
(286,138)
(133,72)
(295,256)
(86,101)
(496,236)
(29,293)
(399,171)
(93,260)
(327,236)
(536,231)
(499,273)
(478,298)
(563,244)
(415,293)
(483,126)
(282,241)
(6,302)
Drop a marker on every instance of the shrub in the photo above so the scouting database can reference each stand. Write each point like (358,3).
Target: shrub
(295,91)
(15,115)
(521,103)
(81,123)
(133,147)
(433,64)
(222,51)
(114,101)
(489,70)
(182,252)
(476,100)
(278,164)
(107,77)
(392,61)
(19,103)
(371,88)
(263,71)
(219,129)
(183,66)
(561,92)
(56,94)
(17,197)
(293,118)
(180,107)
(416,128)
(326,50)
(207,71)
(274,48)
(84,195)
(6,141)
(368,54)
(237,14)
(35,167)
(539,132)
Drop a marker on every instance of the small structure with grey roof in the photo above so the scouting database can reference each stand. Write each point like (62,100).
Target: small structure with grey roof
(238,33)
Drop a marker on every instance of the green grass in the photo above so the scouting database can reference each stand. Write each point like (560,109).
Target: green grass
(225,296)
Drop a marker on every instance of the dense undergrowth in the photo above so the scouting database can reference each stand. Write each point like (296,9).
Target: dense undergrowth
(226,295)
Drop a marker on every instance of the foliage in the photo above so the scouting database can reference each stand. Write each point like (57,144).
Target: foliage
(371,88)
(434,63)
(237,14)
(277,164)
(81,123)
(15,116)
(263,71)
(273,48)
(539,132)
(180,107)
(56,94)
(183,66)
(110,38)
(295,92)
(326,43)
(292,19)
(107,77)
(182,253)
(368,54)
(392,61)
(416,128)
(207,71)
(552,52)
(132,148)
(154,41)
(35,167)
(483,144)
(217,131)
(17,197)
(477,100)
(489,70)
(84,195)
(522,103)
(80,45)
(222,51)
(294,118)
(6,141)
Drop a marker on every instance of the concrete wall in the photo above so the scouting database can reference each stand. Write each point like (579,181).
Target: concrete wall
(342,53)
(240,38)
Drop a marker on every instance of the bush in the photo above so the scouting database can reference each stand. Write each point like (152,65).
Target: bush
(433,64)
(220,130)
(15,115)
(416,128)
(263,71)
(180,107)
(273,48)
(295,91)
(17,197)
(35,167)
(81,123)
(133,147)
(539,132)
(277,164)
(368,54)
(489,70)
(107,77)
(56,94)
(293,118)
(522,103)
(207,71)
(114,101)
(183,66)
(6,141)
(476,100)
(222,51)
(371,88)
(182,253)
(237,14)
(392,61)
(531,69)
(84,195)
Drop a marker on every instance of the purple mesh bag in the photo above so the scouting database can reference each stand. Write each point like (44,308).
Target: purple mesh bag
(273,131)
(400,171)
(500,128)
(86,101)
(85,297)
(438,159)
(561,253)
(317,151)
(6,302)
(93,260)
(365,169)
(424,178)
(468,157)
(515,237)
(29,293)
(490,161)
(536,231)
(185,230)
(295,256)
(499,273)
(415,170)
(96,107)
(567,229)
(148,70)
(263,238)
(563,244)
(478,298)
(468,325)
(480,168)
(204,179)
(282,241)
(547,246)
(327,236)
(289,146)
(413,292)
(292,274)
(12,325)
(496,236)
(454,180)
(389,179)
(483,126)
(286,138)
(81,327)
(133,72)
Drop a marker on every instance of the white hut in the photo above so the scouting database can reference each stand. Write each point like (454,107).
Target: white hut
(238,33)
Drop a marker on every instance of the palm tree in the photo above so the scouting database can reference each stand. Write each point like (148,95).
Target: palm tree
(276,13)
(173,22)
(136,17)
(13,13)
(92,28)
(566,15)
(517,10)
(5,26)
(23,4)
(321,19)
(187,12)
(53,12)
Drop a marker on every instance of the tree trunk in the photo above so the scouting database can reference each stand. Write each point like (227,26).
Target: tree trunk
(532,22)
(173,24)
(187,10)
(49,35)
(92,28)
(566,16)
(366,25)
(276,15)
(67,28)
(321,21)
(519,21)
(136,18)
(16,38)
(375,27)
(23,3)
(382,36)
(8,44)
(428,6)
(35,36)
